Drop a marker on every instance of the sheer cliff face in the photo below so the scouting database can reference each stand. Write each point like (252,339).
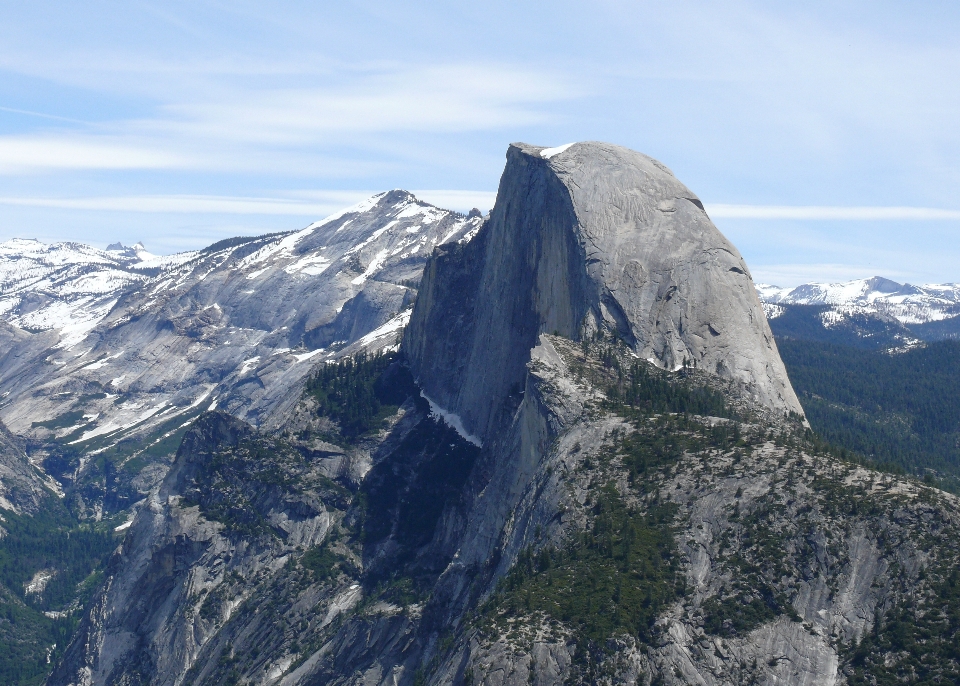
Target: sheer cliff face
(585,237)
(699,549)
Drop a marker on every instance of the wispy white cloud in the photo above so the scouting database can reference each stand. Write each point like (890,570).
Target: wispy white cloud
(293,203)
(42,115)
(260,128)
(306,203)
(196,204)
(792,275)
(461,201)
(451,98)
(820,213)
(20,154)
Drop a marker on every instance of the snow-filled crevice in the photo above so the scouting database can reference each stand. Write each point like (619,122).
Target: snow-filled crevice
(452,420)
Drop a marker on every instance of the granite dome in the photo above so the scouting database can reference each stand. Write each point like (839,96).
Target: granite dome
(583,237)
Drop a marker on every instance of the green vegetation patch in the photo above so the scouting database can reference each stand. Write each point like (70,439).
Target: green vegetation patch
(62,421)
(322,561)
(641,387)
(901,409)
(157,448)
(745,604)
(612,579)
(637,388)
(617,575)
(916,642)
(238,482)
(359,393)
(75,554)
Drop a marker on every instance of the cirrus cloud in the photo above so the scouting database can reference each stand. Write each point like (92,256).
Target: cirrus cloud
(819,213)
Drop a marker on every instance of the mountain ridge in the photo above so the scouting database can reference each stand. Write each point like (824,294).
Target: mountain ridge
(234,327)
(643,502)
(904,302)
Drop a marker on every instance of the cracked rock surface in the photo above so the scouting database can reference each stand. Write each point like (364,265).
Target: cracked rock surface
(594,237)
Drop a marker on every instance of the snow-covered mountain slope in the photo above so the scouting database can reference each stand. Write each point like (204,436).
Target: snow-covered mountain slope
(236,326)
(906,303)
(70,287)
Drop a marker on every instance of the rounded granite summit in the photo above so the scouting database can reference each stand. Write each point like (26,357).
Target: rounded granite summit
(589,236)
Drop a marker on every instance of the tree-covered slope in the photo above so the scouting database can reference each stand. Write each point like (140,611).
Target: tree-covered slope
(823,324)
(900,409)
(50,565)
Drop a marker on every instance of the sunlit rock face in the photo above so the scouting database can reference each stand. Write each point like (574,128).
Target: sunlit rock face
(124,349)
(585,237)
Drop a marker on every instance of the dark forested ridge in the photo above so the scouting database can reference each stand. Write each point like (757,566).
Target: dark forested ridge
(857,329)
(49,566)
(359,393)
(900,409)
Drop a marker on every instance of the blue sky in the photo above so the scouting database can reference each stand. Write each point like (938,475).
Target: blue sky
(824,139)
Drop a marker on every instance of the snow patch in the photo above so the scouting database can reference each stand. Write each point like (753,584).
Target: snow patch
(395,324)
(451,420)
(547,153)
(302,357)
(199,400)
(374,265)
(114,426)
(247,365)
(312,265)
(101,363)
(772,311)
(374,236)
(359,208)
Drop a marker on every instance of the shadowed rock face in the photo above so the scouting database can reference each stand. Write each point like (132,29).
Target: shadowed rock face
(22,486)
(594,236)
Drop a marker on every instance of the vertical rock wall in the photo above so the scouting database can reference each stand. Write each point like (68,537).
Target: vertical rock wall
(585,237)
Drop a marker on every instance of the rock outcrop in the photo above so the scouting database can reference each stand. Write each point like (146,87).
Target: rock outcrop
(23,487)
(591,236)
(577,508)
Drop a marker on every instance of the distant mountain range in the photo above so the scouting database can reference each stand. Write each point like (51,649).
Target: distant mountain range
(106,356)
(70,286)
(875,313)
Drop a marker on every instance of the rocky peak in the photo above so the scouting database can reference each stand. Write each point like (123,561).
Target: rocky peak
(583,238)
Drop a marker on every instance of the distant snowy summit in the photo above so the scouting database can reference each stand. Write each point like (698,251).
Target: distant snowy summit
(904,302)
(71,286)
(885,313)
(135,254)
